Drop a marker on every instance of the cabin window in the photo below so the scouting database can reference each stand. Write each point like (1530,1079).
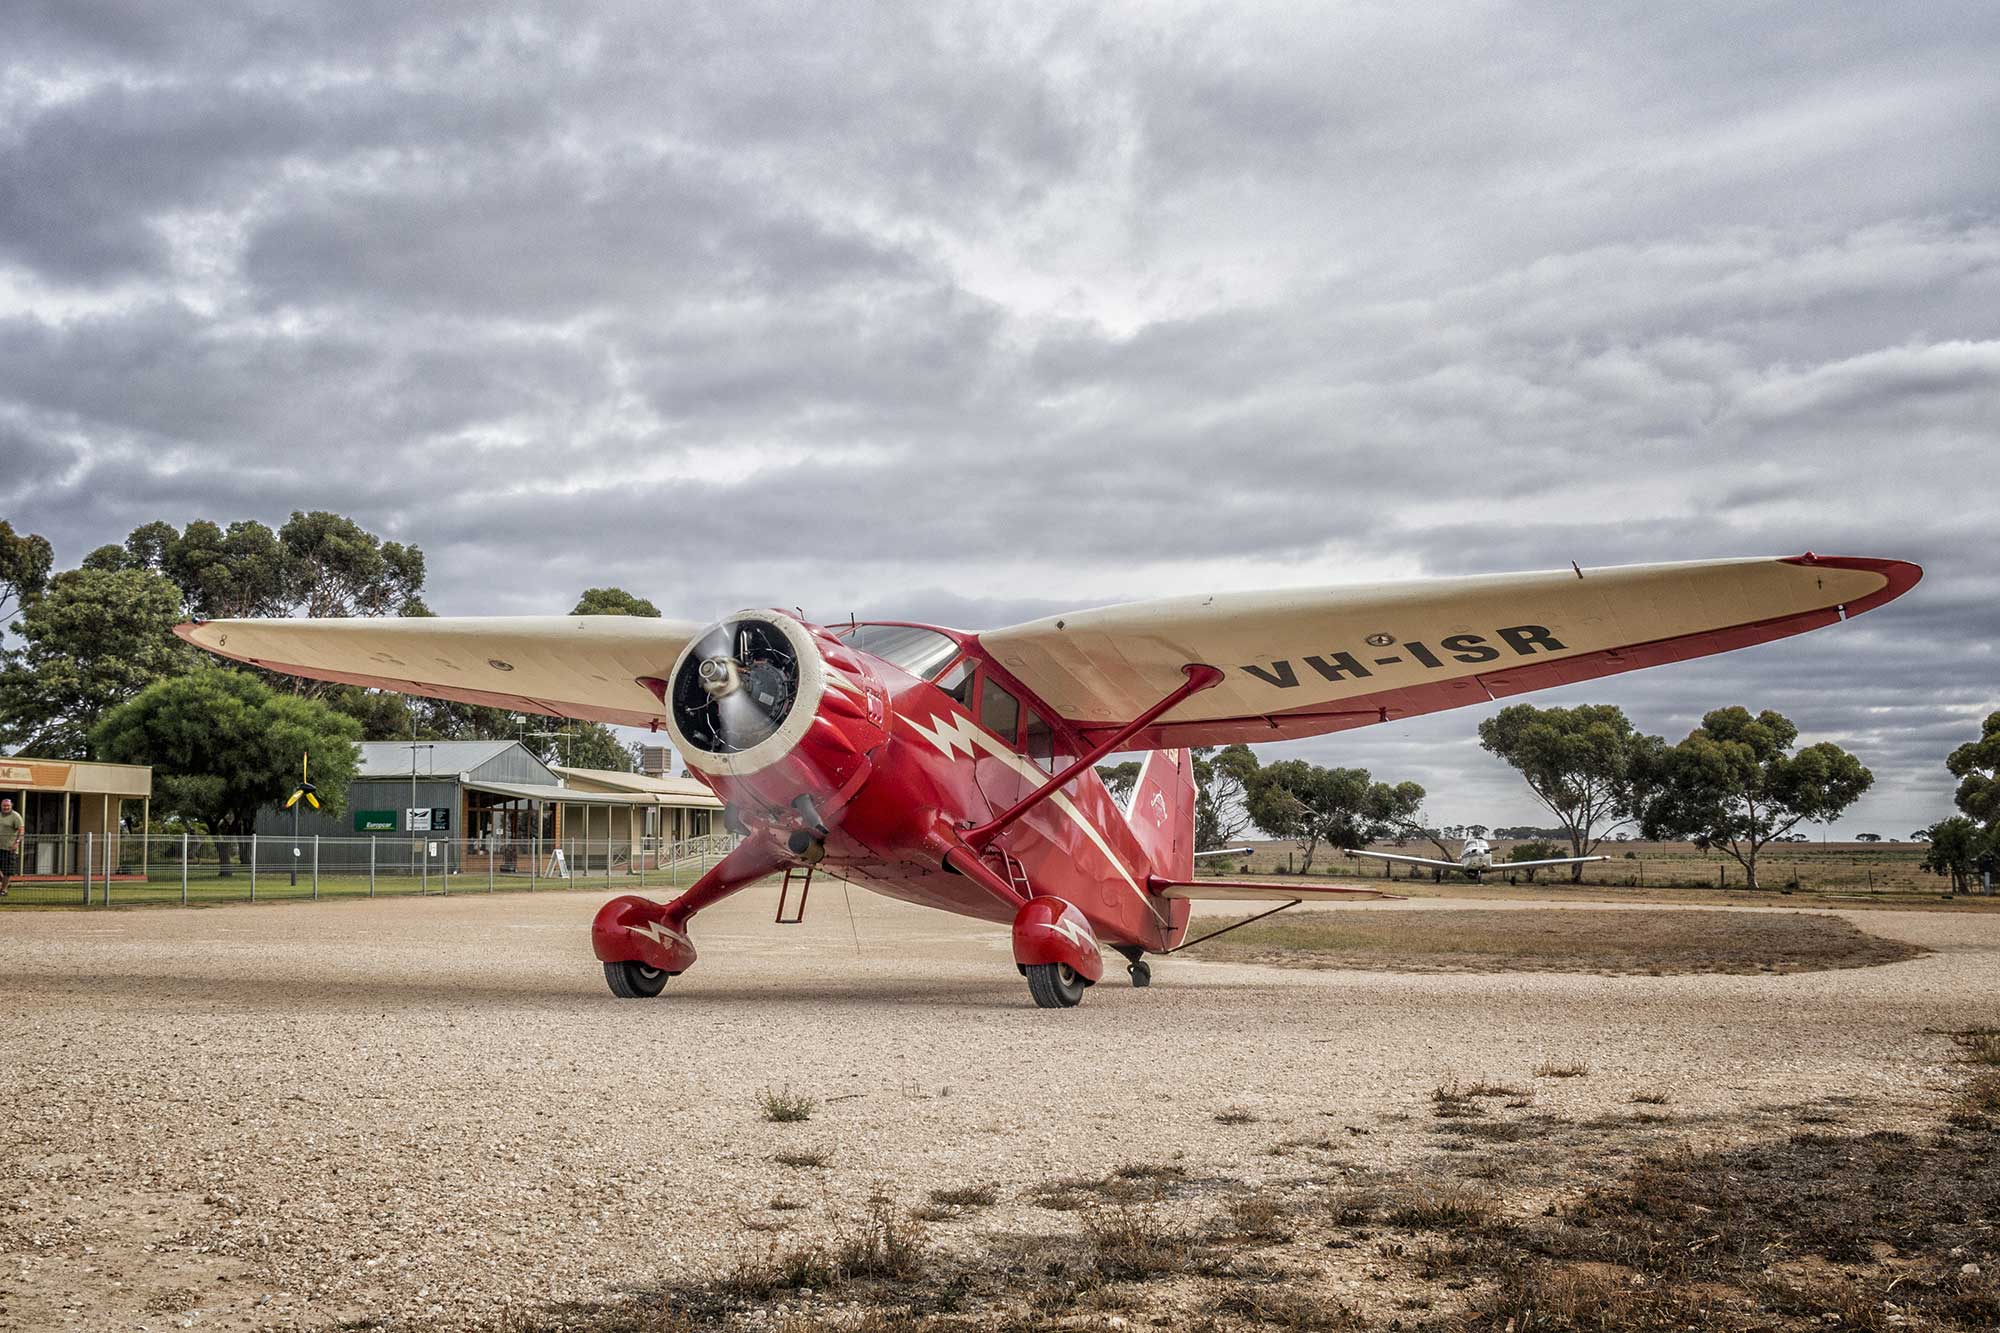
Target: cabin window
(999,711)
(957,683)
(1038,739)
(921,652)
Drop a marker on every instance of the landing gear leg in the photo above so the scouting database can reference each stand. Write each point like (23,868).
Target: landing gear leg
(642,943)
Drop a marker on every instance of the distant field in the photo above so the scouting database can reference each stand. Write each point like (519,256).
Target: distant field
(1884,870)
(1658,943)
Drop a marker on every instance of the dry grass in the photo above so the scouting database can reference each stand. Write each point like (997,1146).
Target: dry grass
(1652,1095)
(1626,943)
(803,1157)
(967,1196)
(1131,1244)
(1258,1217)
(1553,1068)
(1440,1205)
(1235,1115)
(786,1107)
(1286,1307)
(1979,1046)
(1977,1105)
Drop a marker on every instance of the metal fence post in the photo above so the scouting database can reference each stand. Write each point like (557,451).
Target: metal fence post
(89,843)
(315,867)
(608,846)
(184,870)
(253,867)
(534,859)
(424,880)
(489,865)
(371,865)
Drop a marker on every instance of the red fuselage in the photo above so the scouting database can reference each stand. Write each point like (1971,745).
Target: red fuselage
(895,765)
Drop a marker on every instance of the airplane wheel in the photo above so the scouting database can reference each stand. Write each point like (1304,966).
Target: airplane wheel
(1055,985)
(634,981)
(1142,973)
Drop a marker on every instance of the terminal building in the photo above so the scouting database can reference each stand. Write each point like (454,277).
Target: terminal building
(63,801)
(469,804)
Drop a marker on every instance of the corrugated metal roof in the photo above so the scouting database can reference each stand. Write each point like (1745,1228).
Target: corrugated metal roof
(571,796)
(607,779)
(391,759)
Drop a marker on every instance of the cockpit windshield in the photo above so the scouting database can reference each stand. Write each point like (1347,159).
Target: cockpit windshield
(921,652)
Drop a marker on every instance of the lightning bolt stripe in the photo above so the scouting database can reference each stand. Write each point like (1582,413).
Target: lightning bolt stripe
(659,932)
(953,735)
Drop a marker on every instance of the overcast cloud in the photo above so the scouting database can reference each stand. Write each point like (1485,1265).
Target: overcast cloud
(979,313)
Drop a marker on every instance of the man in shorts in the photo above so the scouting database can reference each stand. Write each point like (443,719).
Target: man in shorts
(12,830)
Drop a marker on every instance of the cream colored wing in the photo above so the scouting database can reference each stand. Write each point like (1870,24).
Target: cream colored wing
(566,666)
(1304,662)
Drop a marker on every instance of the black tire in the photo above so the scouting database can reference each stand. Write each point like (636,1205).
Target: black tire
(1142,972)
(1055,985)
(634,981)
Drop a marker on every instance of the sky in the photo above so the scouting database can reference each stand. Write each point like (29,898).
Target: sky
(978,313)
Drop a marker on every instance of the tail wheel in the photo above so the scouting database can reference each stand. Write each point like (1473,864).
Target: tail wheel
(636,981)
(1055,985)
(1142,973)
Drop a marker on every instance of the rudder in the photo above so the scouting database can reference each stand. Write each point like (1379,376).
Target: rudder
(1161,812)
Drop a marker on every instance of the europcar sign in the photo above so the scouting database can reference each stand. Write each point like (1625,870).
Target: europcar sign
(374,821)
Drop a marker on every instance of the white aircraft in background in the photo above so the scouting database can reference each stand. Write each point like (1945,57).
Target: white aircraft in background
(1475,859)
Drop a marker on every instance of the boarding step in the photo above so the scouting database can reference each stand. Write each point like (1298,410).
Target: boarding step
(805,877)
(1011,870)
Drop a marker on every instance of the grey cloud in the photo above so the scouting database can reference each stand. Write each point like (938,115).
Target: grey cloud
(942,312)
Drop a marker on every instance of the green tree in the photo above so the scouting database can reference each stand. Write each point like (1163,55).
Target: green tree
(94,639)
(1734,784)
(1534,851)
(224,745)
(1580,762)
(1976,765)
(336,567)
(1341,807)
(1120,779)
(580,745)
(1956,848)
(25,561)
(613,602)
(1221,778)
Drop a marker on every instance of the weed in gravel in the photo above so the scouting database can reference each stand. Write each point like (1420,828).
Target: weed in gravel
(890,1245)
(1357,1206)
(1132,1243)
(1978,1103)
(803,1157)
(1487,1131)
(1450,1101)
(1287,1307)
(972,1196)
(1063,1196)
(781,1204)
(1562,1069)
(1652,1095)
(1482,1088)
(1235,1115)
(1441,1205)
(1981,1046)
(1257,1217)
(786,1107)
(1148,1171)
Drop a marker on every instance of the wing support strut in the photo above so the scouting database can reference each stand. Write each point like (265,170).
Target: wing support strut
(1200,676)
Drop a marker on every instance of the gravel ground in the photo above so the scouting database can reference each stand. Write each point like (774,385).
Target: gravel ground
(426,1112)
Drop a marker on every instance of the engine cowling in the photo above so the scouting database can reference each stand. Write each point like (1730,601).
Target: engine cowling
(773,710)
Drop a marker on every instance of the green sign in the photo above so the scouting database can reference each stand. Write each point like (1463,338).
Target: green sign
(374,821)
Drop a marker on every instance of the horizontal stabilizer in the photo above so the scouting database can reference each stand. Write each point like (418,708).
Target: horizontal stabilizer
(1251,890)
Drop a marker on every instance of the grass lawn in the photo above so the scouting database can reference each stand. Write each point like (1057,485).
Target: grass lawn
(1655,943)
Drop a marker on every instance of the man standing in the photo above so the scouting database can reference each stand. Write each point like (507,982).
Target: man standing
(12,829)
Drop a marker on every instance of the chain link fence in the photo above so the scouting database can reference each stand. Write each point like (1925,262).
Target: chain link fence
(130,870)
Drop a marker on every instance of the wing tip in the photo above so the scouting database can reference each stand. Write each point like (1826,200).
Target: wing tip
(1898,576)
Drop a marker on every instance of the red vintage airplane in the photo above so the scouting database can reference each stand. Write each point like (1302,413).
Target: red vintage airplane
(956,770)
